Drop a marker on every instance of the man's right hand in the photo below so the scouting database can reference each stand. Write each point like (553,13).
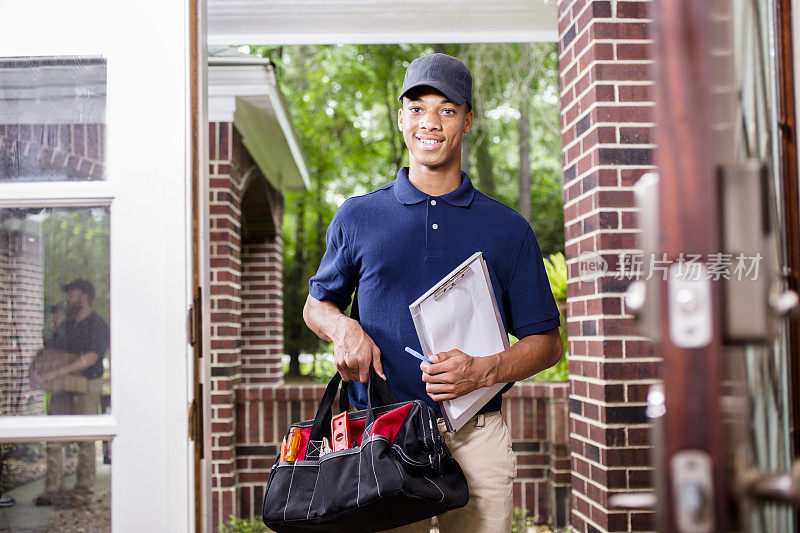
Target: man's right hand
(354,351)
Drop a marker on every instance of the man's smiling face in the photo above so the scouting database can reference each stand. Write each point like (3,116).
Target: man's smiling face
(433,127)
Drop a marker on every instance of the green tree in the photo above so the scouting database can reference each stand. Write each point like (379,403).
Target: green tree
(76,245)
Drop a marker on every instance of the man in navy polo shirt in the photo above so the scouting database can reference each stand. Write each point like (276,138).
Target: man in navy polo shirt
(391,245)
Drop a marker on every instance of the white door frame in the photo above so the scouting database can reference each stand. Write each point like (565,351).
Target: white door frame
(148,162)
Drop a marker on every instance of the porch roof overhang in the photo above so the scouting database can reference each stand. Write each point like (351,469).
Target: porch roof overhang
(380,21)
(243,90)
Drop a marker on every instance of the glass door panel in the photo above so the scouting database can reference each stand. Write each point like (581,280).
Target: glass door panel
(55,486)
(54,311)
(52,122)
(95,222)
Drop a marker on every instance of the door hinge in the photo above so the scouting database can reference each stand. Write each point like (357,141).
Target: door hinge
(196,425)
(194,322)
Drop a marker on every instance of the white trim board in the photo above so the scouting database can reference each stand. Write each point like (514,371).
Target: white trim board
(380,21)
(249,96)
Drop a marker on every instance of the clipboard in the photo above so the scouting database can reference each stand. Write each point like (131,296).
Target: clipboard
(460,312)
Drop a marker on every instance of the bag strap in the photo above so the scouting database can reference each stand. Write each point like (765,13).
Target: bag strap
(384,394)
(344,401)
(377,388)
(323,417)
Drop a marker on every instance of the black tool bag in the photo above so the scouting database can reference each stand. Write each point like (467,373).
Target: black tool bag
(398,471)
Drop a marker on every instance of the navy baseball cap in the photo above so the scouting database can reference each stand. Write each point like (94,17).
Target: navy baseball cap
(82,285)
(447,74)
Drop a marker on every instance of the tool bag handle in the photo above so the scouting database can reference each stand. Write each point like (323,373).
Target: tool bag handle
(376,387)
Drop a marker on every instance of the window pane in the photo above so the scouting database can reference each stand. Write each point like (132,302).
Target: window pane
(54,311)
(52,119)
(55,487)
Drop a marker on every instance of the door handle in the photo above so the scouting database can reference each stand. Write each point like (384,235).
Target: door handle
(783,488)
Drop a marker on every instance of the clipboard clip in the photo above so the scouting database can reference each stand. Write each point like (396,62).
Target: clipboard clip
(451,282)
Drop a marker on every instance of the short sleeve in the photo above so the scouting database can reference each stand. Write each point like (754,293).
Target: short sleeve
(530,306)
(100,338)
(335,279)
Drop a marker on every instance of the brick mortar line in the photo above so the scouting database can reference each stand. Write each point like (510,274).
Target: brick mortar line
(587,48)
(596,125)
(606,103)
(598,403)
(584,399)
(591,42)
(603,425)
(593,190)
(603,231)
(614,468)
(593,463)
(588,67)
(577,15)
(581,318)
(608,124)
(613,188)
(610,511)
(586,519)
(592,21)
(236,248)
(615,83)
(605,489)
(648,168)
(589,359)
(636,338)
(223,269)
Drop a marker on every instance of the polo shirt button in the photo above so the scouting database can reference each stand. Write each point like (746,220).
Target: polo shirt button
(435,226)
(433,202)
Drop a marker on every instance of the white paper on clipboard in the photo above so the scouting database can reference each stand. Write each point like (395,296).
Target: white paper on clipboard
(460,312)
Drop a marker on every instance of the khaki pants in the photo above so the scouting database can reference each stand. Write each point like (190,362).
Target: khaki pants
(73,403)
(483,449)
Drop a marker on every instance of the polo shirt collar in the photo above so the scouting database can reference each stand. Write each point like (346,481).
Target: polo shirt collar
(407,194)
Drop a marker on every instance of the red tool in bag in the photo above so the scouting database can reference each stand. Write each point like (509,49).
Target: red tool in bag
(340,432)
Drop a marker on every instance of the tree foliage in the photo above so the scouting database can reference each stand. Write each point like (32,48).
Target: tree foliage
(343,101)
(76,245)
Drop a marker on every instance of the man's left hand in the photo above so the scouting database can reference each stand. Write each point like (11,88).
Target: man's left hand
(455,374)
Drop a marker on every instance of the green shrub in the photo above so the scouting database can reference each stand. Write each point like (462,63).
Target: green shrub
(521,521)
(556,268)
(243,525)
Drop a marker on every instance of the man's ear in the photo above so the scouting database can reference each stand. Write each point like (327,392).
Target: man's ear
(468,121)
(400,118)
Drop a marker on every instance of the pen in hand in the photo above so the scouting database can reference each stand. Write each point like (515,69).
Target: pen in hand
(418,355)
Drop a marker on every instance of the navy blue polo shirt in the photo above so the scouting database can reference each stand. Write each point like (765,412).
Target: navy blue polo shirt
(389,246)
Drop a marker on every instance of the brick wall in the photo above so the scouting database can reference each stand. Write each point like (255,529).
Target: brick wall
(21,315)
(225,315)
(607,130)
(262,313)
(536,413)
(73,151)
(246,301)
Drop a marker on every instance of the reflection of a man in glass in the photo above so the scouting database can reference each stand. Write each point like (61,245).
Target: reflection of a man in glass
(57,316)
(71,368)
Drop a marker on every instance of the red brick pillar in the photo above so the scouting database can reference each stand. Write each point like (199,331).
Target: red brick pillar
(607,127)
(226,316)
(246,314)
